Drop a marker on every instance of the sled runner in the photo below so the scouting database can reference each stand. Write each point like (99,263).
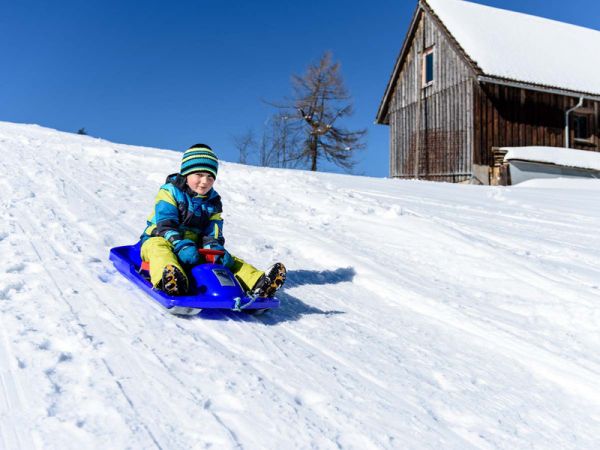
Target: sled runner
(211,286)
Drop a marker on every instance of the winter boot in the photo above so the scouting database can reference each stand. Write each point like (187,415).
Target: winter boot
(270,282)
(173,281)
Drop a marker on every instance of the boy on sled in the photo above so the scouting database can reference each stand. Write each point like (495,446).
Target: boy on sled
(186,217)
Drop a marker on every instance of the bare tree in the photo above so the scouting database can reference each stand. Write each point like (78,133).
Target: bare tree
(244,144)
(320,102)
(283,138)
(264,150)
(306,128)
(277,141)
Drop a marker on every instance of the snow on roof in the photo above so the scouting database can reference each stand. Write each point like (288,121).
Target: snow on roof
(555,155)
(522,47)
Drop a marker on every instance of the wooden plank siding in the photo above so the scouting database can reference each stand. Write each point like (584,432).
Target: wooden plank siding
(460,119)
(446,123)
(512,117)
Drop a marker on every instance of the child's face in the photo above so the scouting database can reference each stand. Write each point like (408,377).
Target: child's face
(200,182)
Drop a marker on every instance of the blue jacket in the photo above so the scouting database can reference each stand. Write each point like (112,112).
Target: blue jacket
(180,213)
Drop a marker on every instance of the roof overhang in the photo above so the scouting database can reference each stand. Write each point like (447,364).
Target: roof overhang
(422,7)
(485,79)
(383,106)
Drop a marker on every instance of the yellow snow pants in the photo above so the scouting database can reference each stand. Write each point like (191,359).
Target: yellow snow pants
(159,253)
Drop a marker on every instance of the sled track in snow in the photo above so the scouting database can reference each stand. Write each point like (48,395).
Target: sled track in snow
(13,403)
(86,282)
(373,349)
(192,332)
(47,257)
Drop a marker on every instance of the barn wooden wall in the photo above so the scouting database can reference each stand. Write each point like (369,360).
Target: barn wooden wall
(460,120)
(446,124)
(510,117)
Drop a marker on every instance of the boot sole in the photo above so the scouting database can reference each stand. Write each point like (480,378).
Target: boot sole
(277,281)
(173,281)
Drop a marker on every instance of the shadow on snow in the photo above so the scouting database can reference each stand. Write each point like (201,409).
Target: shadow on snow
(292,308)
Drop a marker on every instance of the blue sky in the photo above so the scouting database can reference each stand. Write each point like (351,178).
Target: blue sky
(170,74)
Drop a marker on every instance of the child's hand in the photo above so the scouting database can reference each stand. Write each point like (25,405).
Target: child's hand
(225,259)
(187,252)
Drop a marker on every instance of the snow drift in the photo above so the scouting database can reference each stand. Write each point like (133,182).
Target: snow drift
(416,315)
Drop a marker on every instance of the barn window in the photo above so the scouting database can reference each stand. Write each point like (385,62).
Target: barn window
(582,126)
(428,72)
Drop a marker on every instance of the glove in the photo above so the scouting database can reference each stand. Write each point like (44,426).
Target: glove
(225,259)
(187,252)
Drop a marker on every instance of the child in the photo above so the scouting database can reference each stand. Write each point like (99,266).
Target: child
(187,216)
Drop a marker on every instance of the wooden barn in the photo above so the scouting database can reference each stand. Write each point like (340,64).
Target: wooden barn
(471,79)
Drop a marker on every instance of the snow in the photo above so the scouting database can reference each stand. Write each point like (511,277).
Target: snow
(561,183)
(555,155)
(416,315)
(522,47)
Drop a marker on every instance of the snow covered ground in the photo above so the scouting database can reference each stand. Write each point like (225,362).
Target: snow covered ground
(416,315)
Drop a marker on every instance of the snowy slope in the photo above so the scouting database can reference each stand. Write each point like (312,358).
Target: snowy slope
(417,315)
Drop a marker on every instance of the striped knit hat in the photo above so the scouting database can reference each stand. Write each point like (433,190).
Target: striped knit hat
(199,158)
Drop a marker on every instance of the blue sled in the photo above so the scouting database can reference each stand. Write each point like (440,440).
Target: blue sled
(211,286)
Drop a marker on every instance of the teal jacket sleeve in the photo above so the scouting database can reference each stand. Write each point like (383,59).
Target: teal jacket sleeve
(166,215)
(213,233)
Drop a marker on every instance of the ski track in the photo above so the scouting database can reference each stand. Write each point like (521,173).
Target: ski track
(311,422)
(48,256)
(329,366)
(131,395)
(13,405)
(215,344)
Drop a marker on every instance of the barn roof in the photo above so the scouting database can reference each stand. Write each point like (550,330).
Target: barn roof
(507,45)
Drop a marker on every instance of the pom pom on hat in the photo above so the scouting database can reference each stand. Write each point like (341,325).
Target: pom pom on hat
(199,158)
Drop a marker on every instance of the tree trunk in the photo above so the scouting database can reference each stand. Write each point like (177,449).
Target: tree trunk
(313,154)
